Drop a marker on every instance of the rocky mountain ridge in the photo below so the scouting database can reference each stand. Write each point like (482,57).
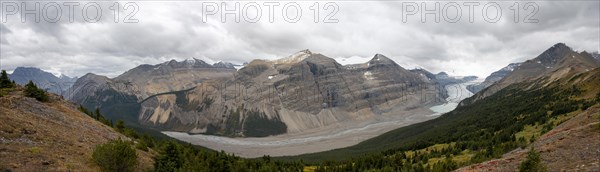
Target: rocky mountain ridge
(493,78)
(303,91)
(556,62)
(119,97)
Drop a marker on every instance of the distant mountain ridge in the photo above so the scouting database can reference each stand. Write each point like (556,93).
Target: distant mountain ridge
(43,79)
(546,59)
(554,63)
(493,78)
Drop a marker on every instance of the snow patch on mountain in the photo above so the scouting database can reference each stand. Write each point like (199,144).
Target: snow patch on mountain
(352,60)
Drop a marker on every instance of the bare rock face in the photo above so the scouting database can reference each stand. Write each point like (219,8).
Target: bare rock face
(120,97)
(148,80)
(303,91)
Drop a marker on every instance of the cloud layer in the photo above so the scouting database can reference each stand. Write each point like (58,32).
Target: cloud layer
(175,30)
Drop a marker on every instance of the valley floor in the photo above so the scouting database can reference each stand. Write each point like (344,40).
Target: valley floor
(323,139)
(306,142)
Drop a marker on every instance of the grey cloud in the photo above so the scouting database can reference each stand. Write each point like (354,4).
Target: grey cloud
(3,29)
(175,30)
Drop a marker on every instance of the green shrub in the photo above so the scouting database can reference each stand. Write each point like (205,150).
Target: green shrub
(131,133)
(120,127)
(141,145)
(532,163)
(35,150)
(31,90)
(115,155)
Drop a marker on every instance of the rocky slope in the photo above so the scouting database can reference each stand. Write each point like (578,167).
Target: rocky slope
(303,91)
(146,80)
(556,62)
(572,146)
(52,136)
(42,79)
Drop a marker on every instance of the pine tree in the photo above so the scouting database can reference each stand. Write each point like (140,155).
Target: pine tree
(31,90)
(169,159)
(532,163)
(97,114)
(5,82)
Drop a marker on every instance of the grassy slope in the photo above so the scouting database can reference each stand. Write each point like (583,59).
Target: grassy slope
(51,136)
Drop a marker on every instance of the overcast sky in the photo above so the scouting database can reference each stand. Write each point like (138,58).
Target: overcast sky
(175,30)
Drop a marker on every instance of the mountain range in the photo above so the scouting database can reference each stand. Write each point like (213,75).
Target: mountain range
(301,92)
(178,95)
(43,79)
(547,105)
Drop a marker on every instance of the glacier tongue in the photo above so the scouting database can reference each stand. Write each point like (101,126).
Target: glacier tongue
(456,93)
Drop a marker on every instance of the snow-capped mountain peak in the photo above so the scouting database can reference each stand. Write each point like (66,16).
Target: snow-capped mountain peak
(296,57)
